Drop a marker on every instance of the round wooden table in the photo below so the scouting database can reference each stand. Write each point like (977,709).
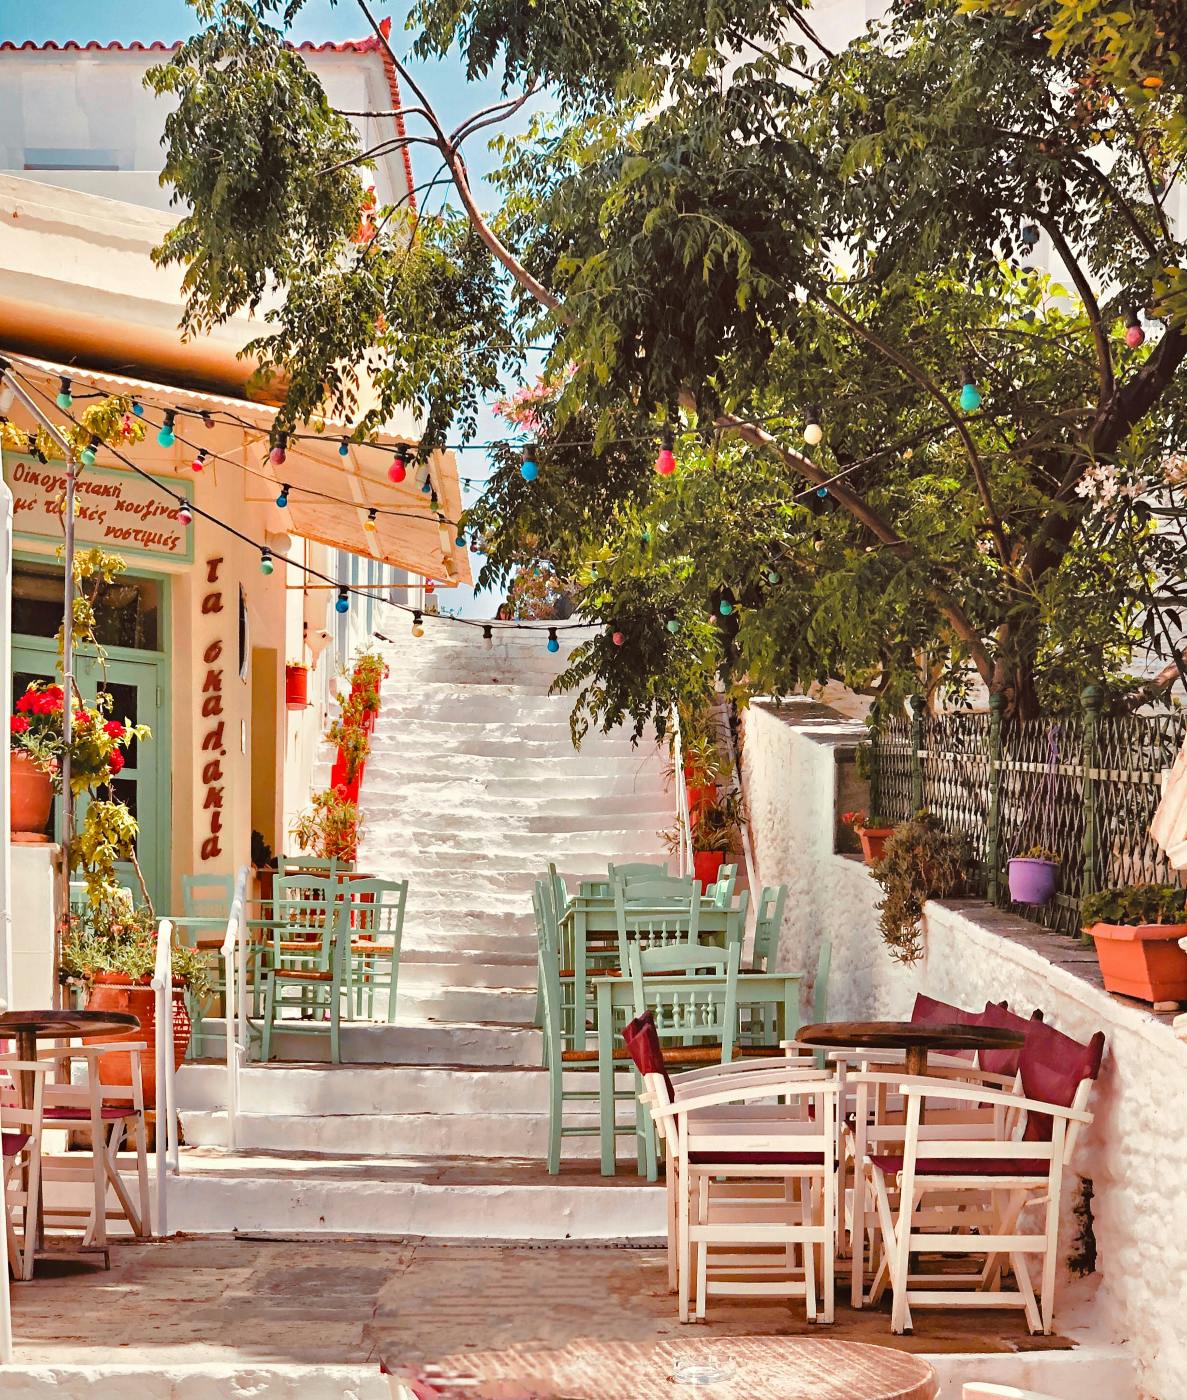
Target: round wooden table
(917,1039)
(751,1368)
(28,1027)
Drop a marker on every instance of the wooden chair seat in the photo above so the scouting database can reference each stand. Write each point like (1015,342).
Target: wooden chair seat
(303,974)
(590,1057)
(371,948)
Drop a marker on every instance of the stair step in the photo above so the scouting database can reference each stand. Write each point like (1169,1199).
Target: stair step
(220,1192)
(438,1043)
(503,1004)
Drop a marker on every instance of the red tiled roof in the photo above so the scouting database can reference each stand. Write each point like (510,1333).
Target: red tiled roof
(368,45)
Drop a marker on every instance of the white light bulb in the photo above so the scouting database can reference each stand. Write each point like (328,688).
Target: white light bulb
(813,434)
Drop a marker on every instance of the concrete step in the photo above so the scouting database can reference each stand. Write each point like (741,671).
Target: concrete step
(505,1004)
(462,969)
(492,1136)
(440,1043)
(456,791)
(220,1192)
(505,843)
(550,766)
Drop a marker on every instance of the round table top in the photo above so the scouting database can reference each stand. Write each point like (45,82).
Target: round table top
(909,1035)
(54,1025)
(753,1368)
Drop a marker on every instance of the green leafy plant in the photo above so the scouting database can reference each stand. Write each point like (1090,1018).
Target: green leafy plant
(369,670)
(716,824)
(329,828)
(921,861)
(114,937)
(863,760)
(353,742)
(1135,904)
(864,821)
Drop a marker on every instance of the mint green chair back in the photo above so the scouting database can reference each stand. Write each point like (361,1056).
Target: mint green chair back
(313,865)
(207,897)
(768,921)
(656,913)
(376,926)
(722,891)
(308,963)
(635,870)
(558,890)
(704,1006)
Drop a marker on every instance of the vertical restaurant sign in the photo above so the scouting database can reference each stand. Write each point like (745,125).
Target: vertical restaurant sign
(118,510)
(210,726)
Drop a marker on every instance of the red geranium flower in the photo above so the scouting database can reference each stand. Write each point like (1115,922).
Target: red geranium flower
(19,724)
(27,701)
(115,762)
(114,729)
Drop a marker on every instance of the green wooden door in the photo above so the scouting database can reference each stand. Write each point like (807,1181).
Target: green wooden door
(137,680)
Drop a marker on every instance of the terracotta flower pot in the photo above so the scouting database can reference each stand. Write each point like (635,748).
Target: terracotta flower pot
(31,796)
(296,687)
(1032,881)
(113,991)
(873,839)
(1142,960)
(706,865)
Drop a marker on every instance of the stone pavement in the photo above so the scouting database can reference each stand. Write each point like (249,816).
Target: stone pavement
(351,1302)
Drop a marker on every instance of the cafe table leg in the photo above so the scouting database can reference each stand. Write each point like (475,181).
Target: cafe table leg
(580,963)
(916,1060)
(605,1034)
(26,1049)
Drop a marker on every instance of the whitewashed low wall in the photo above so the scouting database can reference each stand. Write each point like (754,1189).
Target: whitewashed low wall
(1136,1151)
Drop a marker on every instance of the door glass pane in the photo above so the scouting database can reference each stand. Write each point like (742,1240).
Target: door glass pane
(124,700)
(127,612)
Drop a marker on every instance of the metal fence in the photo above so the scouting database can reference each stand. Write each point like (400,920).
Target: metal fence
(1084,785)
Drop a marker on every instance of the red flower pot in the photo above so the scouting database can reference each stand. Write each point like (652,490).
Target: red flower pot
(296,687)
(873,840)
(1142,960)
(699,797)
(706,865)
(112,991)
(31,795)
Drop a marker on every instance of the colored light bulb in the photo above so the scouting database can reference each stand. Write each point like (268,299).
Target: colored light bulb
(278,454)
(200,460)
(617,638)
(65,398)
(207,419)
(822,491)
(1134,334)
(673,625)
(398,469)
(460,541)
(725,607)
(772,575)
(426,487)
(813,432)
(418,629)
(529,468)
(165,436)
(342,602)
(283,499)
(266,564)
(185,516)
(665,462)
(137,408)
(344,447)
(371,524)
(553,644)
(87,456)
(970,395)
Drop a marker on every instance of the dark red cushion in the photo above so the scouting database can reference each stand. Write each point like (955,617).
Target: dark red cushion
(965,1166)
(929,1012)
(642,1041)
(109,1112)
(1053,1066)
(998,1014)
(13,1142)
(757,1159)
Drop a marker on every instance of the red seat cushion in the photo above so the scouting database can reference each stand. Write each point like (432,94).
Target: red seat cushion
(70,1113)
(642,1040)
(757,1159)
(892,1164)
(1053,1066)
(14,1142)
(929,1012)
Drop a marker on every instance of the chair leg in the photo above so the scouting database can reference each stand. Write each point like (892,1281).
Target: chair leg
(670,1193)
(900,1314)
(269,1011)
(1051,1249)
(701,1251)
(556,1109)
(809,1252)
(684,1282)
(828,1283)
(335,1017)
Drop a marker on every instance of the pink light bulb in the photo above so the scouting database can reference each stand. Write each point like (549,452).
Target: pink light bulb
(277,456)
(617,638)
(665,463)
(1134,336)
(397,471)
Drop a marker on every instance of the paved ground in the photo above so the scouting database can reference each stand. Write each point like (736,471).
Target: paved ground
(413,1301)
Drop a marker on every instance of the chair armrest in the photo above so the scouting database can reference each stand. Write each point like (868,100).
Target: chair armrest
(744,1093)
(89,1052)
(925,1088)
(773,1062)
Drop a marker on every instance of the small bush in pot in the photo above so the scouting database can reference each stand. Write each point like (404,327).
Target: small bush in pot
(921,861)
(1136,930)
(1034,876)
(871,831)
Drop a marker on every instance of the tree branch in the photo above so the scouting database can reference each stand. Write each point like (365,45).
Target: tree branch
(457,170)
(1104,356)
(881,529)
(496,112)
(913,372)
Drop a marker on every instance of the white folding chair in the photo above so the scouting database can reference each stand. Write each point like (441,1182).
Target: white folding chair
(21,1139)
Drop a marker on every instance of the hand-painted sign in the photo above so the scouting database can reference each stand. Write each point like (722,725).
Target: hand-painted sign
(117,510)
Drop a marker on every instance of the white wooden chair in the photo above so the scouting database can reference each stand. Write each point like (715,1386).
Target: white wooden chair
(112,1116)
(986,1390)
(21,1161)
(996,1174)
(751,1162)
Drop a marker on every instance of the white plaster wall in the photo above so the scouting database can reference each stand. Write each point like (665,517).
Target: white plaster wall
(1135,1152)
(35,902)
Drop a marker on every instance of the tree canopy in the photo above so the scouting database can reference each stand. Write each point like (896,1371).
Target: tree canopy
(721,228)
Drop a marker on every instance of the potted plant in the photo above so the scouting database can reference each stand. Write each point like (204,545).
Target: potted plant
(1033,876)
(111,951)
(368,674)
(35,746)
(921,861)
(296,685)
(1136,930)
(714,831)
(872,832)
(329,827)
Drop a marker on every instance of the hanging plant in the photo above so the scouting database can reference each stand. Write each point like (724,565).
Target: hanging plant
(1034,874)
(921,861)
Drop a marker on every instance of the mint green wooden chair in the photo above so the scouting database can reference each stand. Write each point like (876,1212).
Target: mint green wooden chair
(206,906)
(767,924)
(696,1022)
(656,913)
(635,870)
(287,866)
(376,923)
(560,1058)
(722,891)
(308,971)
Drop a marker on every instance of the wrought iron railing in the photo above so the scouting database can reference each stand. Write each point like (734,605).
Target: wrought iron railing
(1084,786)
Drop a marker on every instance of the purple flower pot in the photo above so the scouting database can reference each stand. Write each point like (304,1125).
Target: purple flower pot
(1032,881)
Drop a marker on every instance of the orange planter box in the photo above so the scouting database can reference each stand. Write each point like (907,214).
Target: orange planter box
(1142,960)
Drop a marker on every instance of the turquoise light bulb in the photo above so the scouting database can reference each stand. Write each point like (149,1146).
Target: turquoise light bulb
(970,398)
(725,607)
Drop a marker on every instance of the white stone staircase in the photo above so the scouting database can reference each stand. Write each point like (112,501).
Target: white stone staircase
(438,1123)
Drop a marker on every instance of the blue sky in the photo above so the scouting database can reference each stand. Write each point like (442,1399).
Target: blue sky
(167,20)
